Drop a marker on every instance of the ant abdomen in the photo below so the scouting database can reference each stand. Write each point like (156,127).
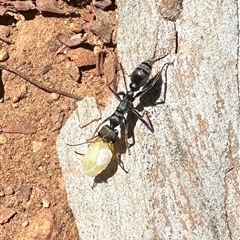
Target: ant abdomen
(140,75)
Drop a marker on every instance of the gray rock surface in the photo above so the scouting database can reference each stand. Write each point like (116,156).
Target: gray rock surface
(183,180)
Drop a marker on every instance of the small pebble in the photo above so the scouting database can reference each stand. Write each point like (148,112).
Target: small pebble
(76,27)
(3,55)
(7,33)
(20,94)
(55,96)
(82,57)
(6,214)
(102,4)
(25,223)
(36,146)
(52,45)
(8,190)
(21,209)
(26,192)
(3,140)
(46,69)
(45,203)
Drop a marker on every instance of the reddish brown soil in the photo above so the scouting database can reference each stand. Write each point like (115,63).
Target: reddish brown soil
(32,189)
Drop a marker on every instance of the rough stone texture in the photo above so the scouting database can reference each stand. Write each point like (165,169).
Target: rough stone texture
(183,180)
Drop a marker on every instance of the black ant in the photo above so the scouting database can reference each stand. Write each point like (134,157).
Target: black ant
(140,84)
(102,148)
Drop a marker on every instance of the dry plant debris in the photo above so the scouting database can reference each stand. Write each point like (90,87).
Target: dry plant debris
(41,5)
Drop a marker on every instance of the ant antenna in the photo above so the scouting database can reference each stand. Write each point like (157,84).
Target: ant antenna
(92,140)
(153,59)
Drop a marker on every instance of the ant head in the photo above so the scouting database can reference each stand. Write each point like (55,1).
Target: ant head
(108,134)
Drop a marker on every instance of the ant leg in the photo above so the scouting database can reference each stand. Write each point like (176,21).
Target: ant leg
(140,117)
(112,90)
(120,163)
(125,128)
(117,157)
(165,84)
(145,112)
(117,95)
(148,87)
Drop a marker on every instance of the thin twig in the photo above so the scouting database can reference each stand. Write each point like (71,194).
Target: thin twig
(39,84)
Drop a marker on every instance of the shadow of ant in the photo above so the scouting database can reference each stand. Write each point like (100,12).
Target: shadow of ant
(111,169)
(149,98)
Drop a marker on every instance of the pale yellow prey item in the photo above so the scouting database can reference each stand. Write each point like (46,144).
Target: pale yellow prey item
(97,158)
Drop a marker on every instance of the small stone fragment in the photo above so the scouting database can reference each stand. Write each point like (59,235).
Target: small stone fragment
(50,6)
(102,29)
(15,105)
(87,17)
(45,203)
(170,9)
(25,223)
(52,45)
(58,120)
(76,27)
(36,146)
(21,208)
(26,192)
(74,41)
(23,5)
(19,127)
(3,55)
(55,96)
(3,140)
(8,190)
(20,94)
(102,3)
(110,66)
(6,214)
(46,69)
(82,57)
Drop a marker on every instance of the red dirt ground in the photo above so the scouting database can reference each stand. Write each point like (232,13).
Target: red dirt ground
(33,203)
